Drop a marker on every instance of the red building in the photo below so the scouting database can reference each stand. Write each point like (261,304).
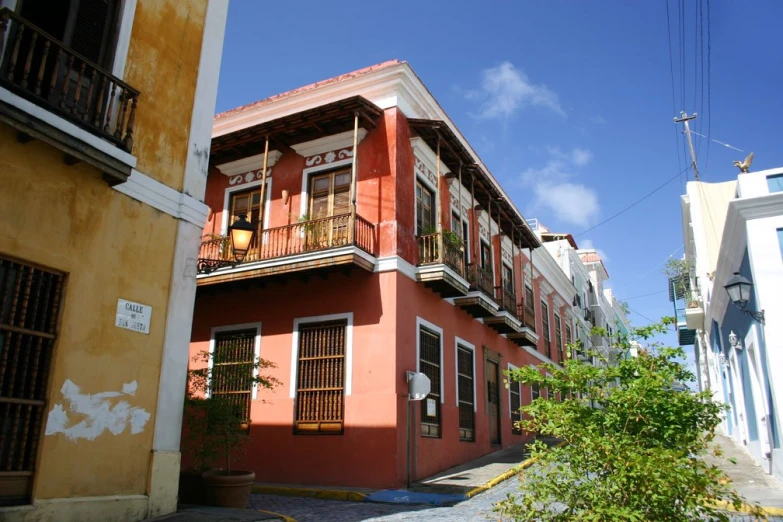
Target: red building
(425,269)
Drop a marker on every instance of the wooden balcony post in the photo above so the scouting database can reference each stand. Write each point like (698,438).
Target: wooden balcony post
(438,222)
(262,203)
(354,174)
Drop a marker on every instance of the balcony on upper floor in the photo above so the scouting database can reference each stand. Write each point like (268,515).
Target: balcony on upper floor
(442,264)
(679,293)
(527,335)
(52,93)
(480,300)
(505,321)
(313,246)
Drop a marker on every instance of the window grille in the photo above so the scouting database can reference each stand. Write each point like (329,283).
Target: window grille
(465,387)
(232,369)
(429,365)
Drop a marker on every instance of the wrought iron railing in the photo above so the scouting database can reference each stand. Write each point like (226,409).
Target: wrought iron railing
(481,279)
(42,69)
(437,249)
(507,299)
(298,238)
(527,314)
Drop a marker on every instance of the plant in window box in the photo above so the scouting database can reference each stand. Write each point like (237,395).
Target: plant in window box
(218,425)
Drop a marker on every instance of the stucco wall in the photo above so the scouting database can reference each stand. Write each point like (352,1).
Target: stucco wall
(110,246)
(164,70)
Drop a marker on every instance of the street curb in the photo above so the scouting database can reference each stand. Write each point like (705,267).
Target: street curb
(506,475)
(769,511)
(284,518)
(324,494)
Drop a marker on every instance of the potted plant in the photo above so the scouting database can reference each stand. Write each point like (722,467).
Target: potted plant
(217,430)
(678,271)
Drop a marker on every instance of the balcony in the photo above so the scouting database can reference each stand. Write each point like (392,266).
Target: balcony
(442,265)
(685,336)
(527,335)
(480,300)
(506,320)
(316,245)
(76,95)
(694,312)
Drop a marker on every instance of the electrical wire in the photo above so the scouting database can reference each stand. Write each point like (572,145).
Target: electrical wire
(709,83)
(671,73)
(644,295)
(629,207)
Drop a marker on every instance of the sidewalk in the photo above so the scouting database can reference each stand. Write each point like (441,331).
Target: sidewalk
(188,513)
(747,477)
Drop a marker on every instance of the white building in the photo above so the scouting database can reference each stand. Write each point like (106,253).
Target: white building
(737,228)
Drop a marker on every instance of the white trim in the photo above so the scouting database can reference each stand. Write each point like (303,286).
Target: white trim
(348,317)
(459,341)
(256,346)
(335,142)
(396,263)
(428,156)
(300,258)
(539,356)
(438,330)
(510,382)
(242,188)
(67,127)
(164,198)
(244,165)
(306,173)
(123,38)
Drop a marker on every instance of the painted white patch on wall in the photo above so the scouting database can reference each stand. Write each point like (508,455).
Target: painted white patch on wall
(88,416)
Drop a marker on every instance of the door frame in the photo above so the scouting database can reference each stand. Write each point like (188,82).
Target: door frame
(494,357)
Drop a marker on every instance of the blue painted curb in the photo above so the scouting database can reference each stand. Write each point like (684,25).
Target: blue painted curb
(401,496)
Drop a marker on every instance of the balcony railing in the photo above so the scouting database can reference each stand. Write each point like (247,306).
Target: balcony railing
(507,299)
(529,315)
(437,249)
(289,240)
(481,279)
(40,68)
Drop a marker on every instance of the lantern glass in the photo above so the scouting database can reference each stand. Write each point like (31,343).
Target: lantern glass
(739,290)
(241,236)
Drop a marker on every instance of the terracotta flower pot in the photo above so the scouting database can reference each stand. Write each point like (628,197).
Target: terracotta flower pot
(228,490)
(190,487)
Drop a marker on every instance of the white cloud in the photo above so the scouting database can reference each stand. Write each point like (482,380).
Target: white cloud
(556,192)
(588,244)
(506,89)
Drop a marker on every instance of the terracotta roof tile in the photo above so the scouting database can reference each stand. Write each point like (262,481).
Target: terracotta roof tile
(309,87)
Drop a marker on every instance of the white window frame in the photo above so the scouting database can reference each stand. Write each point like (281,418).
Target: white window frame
(513,367)
(420,322)
(257,348)
(460,342)
(348,318)
(308,173)
(241,188)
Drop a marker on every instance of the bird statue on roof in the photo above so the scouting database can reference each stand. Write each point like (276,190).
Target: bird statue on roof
(745,165)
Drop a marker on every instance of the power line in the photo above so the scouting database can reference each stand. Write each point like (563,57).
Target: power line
(709,83)
(629,207)
(671,73)
(644,295)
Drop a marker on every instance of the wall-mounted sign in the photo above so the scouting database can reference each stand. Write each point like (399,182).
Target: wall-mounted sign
(133,316)
(432,408)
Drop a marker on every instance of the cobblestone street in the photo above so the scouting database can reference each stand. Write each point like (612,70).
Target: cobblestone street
(478,508)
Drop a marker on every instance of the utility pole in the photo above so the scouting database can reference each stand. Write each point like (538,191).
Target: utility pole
(684,118)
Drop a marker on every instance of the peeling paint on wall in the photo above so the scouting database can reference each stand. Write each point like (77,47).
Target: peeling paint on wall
(88,416)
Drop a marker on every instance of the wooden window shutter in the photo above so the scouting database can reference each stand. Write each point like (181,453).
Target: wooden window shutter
(92,29)
(429,365)
(321,378)
(232,369)
(516,404)
(465,386)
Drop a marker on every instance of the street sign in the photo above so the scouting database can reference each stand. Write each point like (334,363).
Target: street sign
(419,386)
(133,316)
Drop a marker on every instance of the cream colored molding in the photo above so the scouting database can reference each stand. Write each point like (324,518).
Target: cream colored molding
(396,263)
(334,142)
(428,159)
(256,162)
(164,198)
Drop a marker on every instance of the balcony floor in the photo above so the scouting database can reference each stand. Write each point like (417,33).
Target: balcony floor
(443,280)
(477,304)
(503,323)
(525,337)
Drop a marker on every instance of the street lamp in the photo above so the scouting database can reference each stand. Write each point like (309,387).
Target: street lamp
(734,341)
(738,288)
(241,232)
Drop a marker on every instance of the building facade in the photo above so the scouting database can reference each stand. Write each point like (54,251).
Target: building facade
(731,228)
(105,126)
(383,245)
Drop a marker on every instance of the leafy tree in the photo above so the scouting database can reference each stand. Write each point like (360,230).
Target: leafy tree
(632,443)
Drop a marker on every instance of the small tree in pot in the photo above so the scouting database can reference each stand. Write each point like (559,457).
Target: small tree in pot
(218,423)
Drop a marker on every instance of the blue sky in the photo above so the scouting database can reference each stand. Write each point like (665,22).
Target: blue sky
(568,103)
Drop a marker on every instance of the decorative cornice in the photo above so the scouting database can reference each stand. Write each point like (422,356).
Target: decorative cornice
(335,142)
(329,157)
(256,162)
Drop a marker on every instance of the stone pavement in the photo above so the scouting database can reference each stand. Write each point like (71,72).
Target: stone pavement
(746,476)
(186,513)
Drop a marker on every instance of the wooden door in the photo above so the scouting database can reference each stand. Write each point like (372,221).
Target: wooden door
(493,400)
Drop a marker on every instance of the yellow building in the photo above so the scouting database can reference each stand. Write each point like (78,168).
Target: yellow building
(106,111)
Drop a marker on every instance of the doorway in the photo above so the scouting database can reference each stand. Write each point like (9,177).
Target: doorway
(493,400)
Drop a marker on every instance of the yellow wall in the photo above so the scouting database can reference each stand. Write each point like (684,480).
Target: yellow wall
(163,62)
(110,246)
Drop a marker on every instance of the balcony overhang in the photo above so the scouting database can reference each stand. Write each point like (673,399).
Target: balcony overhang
(686,337)
(443,280)
(525,337)
(319,122)
(321,261)
(477,304)
(503,322)
(694,318)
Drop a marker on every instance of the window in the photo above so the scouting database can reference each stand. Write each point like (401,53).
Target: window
(30,299)
(558,338)
(780,240)
(508,278)
(455,223)
(529,303)
(486,257)
(246,203)
(515,402)
(535,392)
(568,339)
(429,365)
(775,183)
(320,388)
(233,358)
(545,327)
(330,194)
(465,387)
(425,210)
